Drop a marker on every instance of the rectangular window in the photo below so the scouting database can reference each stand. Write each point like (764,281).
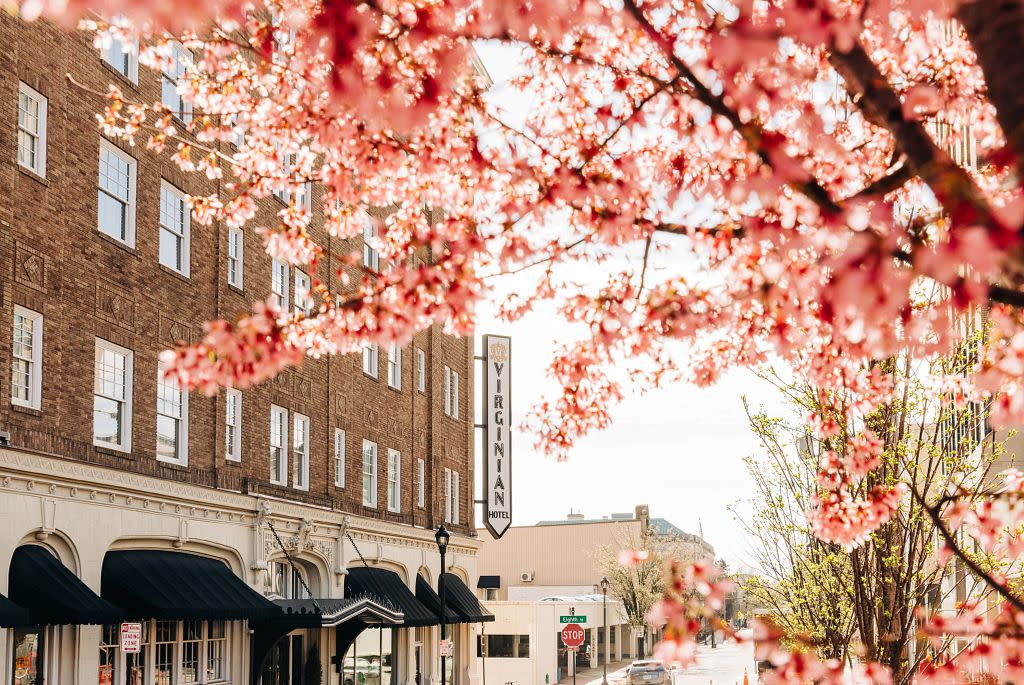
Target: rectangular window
(303,300)
(456,497)
(172,75)
(369,473)
(116,209)
(339,457)
(191,642)
(371,256)
(112,396)
(421,370)
(174,229)
(185,652)
(31,129)
(171,419)
(236,257)
(27,358)
(279,284)
(447,495)
(370,353)
(123,57)
(233,424)
(278,442)
(447,391)
(300,447)
(421,486)
(394,480)
(504,646)
(216,651)
(395,366)
(165,651)
(455,395)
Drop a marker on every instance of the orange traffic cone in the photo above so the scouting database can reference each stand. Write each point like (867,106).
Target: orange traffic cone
(745,681)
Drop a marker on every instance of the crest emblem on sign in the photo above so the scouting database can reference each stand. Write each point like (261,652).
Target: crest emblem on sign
(498,352)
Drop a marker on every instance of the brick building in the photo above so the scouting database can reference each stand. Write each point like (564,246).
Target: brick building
(347,462)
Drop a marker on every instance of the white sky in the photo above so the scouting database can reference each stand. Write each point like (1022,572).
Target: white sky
(678,449)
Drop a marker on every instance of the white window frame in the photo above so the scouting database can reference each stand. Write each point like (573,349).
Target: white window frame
(125,445)
(395,366)
(300,469)
(302,293)
(455,497)
(371,255)
(181,59)
(233,424)
(279,419)
(369,474)
(185,236)
(38,137)
(394,481)
(371,359)
(181,459)
(236,257)
(339,457)
(447,390)
(129,202)
(447,495)
(421,486)
(421,370)
(147,657)
(279,283)
(34,360)
(131,58)
(455,395)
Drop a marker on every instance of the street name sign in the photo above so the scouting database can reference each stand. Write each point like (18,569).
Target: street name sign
(131,638)
(497,420)
(572,619)
(573,636)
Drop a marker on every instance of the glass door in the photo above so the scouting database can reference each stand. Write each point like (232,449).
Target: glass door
(29,656)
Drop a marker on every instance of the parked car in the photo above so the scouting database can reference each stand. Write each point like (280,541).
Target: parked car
(647,672)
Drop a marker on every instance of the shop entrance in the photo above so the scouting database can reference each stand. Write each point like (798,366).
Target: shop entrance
(417,653)
(29,656)
(285,663)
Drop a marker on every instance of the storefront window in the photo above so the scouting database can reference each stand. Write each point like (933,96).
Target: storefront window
(370,659)
(29,656)
(176,652)
(505,646)
(216,651)
(109,645)
(192,636)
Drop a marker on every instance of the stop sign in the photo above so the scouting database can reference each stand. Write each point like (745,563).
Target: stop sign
(573,636)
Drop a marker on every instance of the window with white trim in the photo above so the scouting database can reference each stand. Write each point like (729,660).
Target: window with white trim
(279,283)
(123,57)
(116,204)
(300,449)
(278,445)
(339,457)
(233,424)
(190,652)
(421,370)
(370,354)
(173,73)
(175,221)
(171,419)
(455,394)
(447,495)
(303,298)
(447,391)
(371,255)
(455,497)
(236,257)
(395,366)
(394,480)
(421,486)
(31,129)
(369,473)
(27,358)
(112,397)
(286,581)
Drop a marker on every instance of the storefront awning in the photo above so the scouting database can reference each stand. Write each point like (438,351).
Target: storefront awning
(462,600)
(426,594)
(52,594)
(178,586)
(488,582)
(333,612)
(11,614)
(381,584)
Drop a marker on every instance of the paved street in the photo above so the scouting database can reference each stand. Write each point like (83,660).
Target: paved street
(723,665)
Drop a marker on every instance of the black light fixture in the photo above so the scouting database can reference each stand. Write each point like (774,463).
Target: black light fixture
(604,647)
(442,536)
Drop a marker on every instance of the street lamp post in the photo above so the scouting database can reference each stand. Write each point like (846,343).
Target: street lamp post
(442,536)
(604,599)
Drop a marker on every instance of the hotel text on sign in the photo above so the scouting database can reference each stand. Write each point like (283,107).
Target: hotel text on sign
(497,418)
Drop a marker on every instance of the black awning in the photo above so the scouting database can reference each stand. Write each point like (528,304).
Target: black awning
(462,600)
(381,584)
(489,582)
(178,586)
(11,614)
(52,594)
(426,594)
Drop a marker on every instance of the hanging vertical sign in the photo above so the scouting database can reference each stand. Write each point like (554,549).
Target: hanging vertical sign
(497,417)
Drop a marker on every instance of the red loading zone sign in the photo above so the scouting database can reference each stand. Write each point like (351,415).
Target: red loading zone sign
(131,638)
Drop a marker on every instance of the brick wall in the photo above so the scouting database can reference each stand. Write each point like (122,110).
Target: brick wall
(55,261)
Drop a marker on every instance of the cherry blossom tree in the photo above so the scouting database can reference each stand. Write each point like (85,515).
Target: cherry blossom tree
(793,173)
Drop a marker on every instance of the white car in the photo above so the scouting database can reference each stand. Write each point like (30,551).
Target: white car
(647,672)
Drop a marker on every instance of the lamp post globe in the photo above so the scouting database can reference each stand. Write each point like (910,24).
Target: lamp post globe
(442,536)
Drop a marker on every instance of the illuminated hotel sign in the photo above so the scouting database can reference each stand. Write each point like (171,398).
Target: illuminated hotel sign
(496,429)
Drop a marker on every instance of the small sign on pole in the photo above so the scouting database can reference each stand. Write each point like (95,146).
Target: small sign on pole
(446,647)
(572,619)
(131,638)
